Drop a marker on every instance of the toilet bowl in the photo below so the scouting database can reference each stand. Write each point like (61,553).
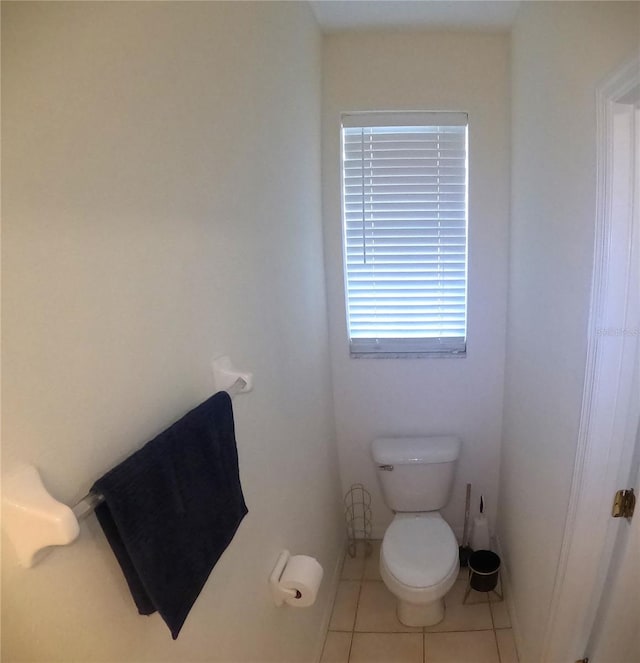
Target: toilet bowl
(419,560)
(419,564)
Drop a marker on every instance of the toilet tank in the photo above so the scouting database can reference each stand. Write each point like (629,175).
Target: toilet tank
(416,473)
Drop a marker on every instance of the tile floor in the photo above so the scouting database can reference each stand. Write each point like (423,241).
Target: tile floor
(364,627)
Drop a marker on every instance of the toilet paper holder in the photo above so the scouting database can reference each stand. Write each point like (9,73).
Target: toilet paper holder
(281,594)
(295,580)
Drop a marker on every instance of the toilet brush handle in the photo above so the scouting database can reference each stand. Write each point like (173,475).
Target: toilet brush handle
(467,508)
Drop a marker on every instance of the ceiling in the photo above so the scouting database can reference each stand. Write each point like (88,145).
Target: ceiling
(336,15)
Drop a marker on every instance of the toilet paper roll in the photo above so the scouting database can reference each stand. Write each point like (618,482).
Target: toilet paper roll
(304,575)
(480,535)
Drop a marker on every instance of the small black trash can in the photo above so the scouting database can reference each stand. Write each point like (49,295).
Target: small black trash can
(484,568)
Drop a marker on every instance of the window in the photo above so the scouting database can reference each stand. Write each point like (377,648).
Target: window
(404,181)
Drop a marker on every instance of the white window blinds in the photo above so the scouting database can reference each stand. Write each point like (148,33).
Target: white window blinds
(405,231)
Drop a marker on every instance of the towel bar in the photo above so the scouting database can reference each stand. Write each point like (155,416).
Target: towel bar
(34,520)
(87,505)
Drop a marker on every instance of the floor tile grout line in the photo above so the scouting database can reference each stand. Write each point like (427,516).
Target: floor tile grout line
(355,617)
(355,614)
(458,630)
(473,630)
(351,632)
(333,606)
(495,635)
(350,647)
(461,630)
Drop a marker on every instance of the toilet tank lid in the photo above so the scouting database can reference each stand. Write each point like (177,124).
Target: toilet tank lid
(408,450)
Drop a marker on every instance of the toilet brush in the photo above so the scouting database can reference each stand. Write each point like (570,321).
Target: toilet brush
(464,551)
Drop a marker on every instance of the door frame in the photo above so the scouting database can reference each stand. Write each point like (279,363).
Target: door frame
(608,401)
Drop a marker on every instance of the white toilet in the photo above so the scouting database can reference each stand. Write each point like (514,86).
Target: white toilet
(419,554)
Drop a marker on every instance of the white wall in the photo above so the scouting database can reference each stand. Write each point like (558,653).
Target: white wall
(561,51)
(161,203)
(425,71)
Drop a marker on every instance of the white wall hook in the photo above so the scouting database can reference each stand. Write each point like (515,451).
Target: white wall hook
(32,518)
(225,376)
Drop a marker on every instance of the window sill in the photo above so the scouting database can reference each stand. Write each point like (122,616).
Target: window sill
(408,355)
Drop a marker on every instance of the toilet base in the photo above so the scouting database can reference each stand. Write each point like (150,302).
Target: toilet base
(424,614)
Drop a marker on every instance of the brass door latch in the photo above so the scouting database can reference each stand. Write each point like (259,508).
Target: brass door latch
(624,503)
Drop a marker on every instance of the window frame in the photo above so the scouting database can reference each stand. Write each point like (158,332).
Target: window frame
(405,347)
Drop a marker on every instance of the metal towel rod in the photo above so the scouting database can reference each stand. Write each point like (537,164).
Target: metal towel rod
(34,520)
(88,504)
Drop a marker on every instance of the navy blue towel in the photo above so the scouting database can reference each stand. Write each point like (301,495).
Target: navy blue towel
(172,508)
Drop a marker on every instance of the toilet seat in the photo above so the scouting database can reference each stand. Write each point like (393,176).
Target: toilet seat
(420,551)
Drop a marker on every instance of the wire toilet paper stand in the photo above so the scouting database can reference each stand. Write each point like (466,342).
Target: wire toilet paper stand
(357,512)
